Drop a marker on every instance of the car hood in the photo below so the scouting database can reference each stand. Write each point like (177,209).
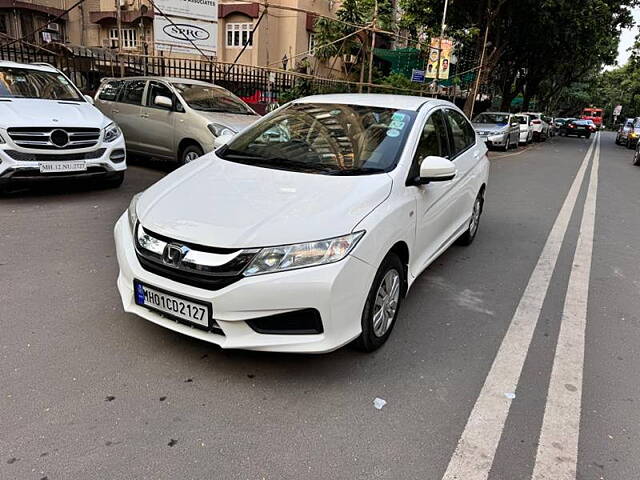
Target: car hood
(233,120)
(25,112)
(218,203)
(489,127)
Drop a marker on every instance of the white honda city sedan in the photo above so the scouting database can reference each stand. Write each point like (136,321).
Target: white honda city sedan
(305,231)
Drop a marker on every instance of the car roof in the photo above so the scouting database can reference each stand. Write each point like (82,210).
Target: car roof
(497,113)
(41,67)
(165,79)
(401,102)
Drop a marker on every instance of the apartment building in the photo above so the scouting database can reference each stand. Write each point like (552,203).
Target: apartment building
(283,31)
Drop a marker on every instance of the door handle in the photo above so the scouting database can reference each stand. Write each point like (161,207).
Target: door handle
(115,111)
(144,115)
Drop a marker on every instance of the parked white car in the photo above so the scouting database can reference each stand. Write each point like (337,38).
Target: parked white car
(539,125)
(305,231)
(49,129)
(526,128)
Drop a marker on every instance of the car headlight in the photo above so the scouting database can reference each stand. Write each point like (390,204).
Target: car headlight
(133,215)
(220,130)
(111,132)
(301,255)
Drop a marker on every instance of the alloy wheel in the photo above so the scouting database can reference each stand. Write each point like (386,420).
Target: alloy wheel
(386,303)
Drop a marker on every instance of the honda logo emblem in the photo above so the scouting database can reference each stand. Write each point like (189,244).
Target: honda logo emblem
(174,253)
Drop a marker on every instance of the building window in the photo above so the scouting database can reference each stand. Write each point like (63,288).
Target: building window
(239,34)
(129,38)
(312,44)
(3,24)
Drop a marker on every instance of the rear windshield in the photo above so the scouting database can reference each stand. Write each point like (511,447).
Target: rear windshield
(492,118)
(28,83)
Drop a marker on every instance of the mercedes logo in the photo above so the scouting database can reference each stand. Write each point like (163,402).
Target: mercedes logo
(59,138)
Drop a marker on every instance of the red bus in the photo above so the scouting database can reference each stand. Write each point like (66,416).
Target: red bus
(594,114)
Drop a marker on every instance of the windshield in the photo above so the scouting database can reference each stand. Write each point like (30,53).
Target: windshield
(212,99)
(27,83)
(331,139)
(494,118)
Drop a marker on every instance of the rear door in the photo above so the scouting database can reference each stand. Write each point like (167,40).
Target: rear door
(128,109)
(157,124)
(466,155)
(107,97)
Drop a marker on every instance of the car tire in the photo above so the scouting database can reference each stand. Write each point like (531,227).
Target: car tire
(375,332)
(636,158)
(115,181)
(474,222)
(587,136)
(506,146)
(190,153)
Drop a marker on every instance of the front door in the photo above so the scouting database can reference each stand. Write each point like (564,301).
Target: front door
(433,222)
(157,123)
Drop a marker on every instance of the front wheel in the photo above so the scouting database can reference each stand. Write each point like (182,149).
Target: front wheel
(382,305)
(474,222)
(636,158)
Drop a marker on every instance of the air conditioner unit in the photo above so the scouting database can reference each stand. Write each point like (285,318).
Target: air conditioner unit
(53,27)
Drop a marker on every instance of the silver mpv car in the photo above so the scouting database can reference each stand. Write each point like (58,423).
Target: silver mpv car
(172,119)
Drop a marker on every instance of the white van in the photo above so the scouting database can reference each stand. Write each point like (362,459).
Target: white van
(49,129)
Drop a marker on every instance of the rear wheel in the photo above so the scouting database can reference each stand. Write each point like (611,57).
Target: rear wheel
(474,222)
(190,153)
(636,157)
(382,305)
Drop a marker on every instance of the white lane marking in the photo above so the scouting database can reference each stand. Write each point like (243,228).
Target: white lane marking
(557,455)
(477,446)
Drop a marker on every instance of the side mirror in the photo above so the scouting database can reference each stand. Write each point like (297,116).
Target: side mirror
(221,140)
(436,169)
(89,99)
(162,101)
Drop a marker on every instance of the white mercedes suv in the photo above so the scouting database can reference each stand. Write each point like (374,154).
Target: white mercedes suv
(305,231)
(49,129)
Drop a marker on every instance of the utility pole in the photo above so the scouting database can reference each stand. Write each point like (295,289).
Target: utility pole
(442,27)
(119,26)
(475,88)
(373,44)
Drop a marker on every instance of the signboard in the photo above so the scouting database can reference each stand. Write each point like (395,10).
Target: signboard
(200,9)
(445,58)
(417,76)
(178,37)
(617,111)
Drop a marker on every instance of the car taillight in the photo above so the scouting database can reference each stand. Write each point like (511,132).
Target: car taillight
(536,122)
(572,126)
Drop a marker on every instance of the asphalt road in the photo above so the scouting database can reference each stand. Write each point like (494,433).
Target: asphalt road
(88,392)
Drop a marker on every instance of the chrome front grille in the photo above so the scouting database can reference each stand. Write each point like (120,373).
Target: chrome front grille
(54,138)
(205,267)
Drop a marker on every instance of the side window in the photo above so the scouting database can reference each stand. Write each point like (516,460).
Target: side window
(158,89)
(110,90)
(433,141)
(462,133)
(133,91)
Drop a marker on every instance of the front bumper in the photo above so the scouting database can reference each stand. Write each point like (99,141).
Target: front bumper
(337,291)
(23,165)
